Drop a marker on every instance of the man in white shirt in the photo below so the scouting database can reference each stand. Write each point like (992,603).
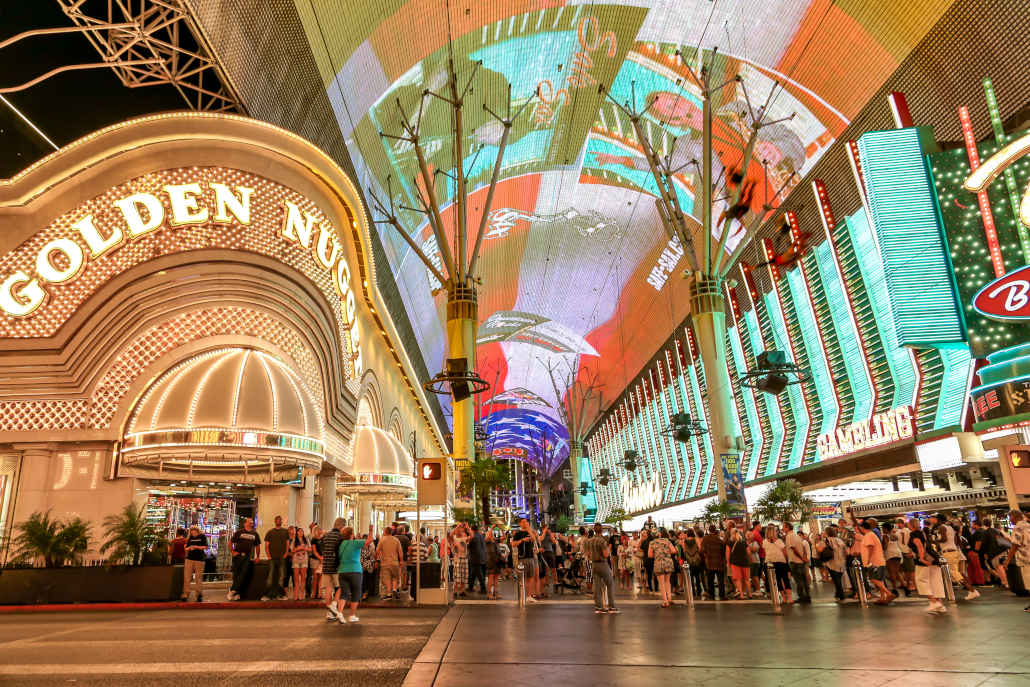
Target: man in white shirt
(797,559)
(944,534)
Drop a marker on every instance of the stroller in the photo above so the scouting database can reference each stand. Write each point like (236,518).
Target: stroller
(571,576)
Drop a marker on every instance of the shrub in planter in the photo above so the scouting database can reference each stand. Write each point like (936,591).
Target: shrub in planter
(131,539)
(52,540)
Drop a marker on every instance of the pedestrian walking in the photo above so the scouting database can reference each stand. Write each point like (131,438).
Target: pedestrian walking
(246,548)
(929,580)
(797,560)
(1019,552)
(331,566)
(389,554)
(493,564)
(661,551)
(349,571)
(193,566)
(776,553)
(596,548)
(713,549)
(874,562)
(477,559)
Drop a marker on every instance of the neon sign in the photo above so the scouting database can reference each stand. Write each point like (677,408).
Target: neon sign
(993,166)
(63,259)
(1007,298)
(881,429)
(643,496)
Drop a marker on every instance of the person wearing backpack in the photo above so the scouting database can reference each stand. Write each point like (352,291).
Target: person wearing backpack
(831,553)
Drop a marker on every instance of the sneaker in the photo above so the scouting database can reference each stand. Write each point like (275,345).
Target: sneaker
(600,611)
(333,613)
(1027,609)
(614,611)
(331,616)
(532,599)
(343,619)
(353,619)
(972,595)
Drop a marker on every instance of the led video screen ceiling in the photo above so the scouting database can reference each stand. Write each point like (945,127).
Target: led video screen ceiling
(578,273)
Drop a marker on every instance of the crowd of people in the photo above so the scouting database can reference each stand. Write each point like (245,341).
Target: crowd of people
(730,561)
(718,562)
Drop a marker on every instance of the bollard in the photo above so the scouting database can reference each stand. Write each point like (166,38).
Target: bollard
(520,584)
(688,585)
(774,589)
(863,597)
(949,587)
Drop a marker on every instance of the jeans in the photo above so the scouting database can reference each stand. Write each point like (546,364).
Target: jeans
(652,581)
(603,580)
(477,571)
(242,569)
(838,584)
(716,578)
(799,571)
(696,579)
(274,584)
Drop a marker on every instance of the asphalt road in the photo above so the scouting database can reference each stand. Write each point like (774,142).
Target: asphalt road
(290,647)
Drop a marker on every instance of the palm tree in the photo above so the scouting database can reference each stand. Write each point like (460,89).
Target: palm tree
(482,476)
(717,512)
(616,517)
(52,539)
(129,535)
(783,503)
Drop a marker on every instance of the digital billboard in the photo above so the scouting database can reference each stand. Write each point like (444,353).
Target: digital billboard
(576,266)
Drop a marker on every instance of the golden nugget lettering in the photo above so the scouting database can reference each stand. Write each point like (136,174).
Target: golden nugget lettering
(62,260)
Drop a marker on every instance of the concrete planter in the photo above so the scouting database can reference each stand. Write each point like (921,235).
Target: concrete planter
(90,585)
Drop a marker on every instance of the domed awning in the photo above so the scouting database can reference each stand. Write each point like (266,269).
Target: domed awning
(232,414)
(383,467)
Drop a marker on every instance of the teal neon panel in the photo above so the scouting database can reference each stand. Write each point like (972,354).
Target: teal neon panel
(695,446)
(847,335)
(818,364)
(772,408)
(802,421)
(902,200)
(750,405)
(899,359)
(708,456)
(958,363)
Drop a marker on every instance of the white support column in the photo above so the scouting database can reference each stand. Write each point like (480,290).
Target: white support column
(305,503)
(327,498)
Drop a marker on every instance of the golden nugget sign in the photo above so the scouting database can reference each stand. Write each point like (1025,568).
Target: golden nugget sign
(644,496)
(63,259)
(881,429)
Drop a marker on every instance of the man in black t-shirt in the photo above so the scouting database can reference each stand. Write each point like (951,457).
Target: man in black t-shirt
(193,566)
(246,548)
(525,541)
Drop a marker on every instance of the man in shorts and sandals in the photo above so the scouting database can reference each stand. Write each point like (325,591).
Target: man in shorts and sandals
(873,560)
(525,541)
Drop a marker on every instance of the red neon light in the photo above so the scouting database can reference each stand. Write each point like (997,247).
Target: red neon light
(770,255)
(899,108)
(990,230)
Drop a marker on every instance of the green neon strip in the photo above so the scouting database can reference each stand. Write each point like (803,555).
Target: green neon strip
(699,412)
(673,446)
(738,401)
(772,408)
(655,414)
(802,421)
(899,360)
(1010,178)
(750,405)
(818,364)
(847,336)
(830,344)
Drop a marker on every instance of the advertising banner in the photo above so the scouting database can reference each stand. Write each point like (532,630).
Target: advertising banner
(734,480)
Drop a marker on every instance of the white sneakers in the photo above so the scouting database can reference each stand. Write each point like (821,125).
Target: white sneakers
(975,594)
(353,619)
(937,608)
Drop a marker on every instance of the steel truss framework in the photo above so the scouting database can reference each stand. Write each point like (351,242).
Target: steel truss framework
(145,43)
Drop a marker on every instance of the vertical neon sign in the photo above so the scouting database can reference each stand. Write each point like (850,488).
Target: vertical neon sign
(990,229)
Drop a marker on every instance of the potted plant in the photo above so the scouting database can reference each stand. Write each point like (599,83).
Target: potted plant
(785,502)
(129,537)
(50,540)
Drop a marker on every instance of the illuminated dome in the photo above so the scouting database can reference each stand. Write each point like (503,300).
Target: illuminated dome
(234,414)
(382,466)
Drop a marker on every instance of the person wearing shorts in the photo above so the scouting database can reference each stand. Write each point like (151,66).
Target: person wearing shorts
(525,541)
(349,555)
(390,555)
(330,579)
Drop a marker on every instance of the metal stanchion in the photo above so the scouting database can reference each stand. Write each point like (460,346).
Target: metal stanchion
(520,584)
(774,590)
(688,585)
(949,588)
(860,583)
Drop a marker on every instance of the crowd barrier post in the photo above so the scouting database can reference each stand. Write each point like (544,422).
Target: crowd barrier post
(774,590)
(949,587)
(520,584)
(863,598)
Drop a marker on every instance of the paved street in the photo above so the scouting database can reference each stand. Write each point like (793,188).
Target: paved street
(981,643)
(211,647)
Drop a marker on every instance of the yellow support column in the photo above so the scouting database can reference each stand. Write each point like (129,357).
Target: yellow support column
(462,326)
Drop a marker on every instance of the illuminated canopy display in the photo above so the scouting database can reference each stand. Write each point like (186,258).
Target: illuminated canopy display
(575,264)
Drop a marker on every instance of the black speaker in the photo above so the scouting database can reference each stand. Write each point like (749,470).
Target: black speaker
(459,390)
(772,384)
